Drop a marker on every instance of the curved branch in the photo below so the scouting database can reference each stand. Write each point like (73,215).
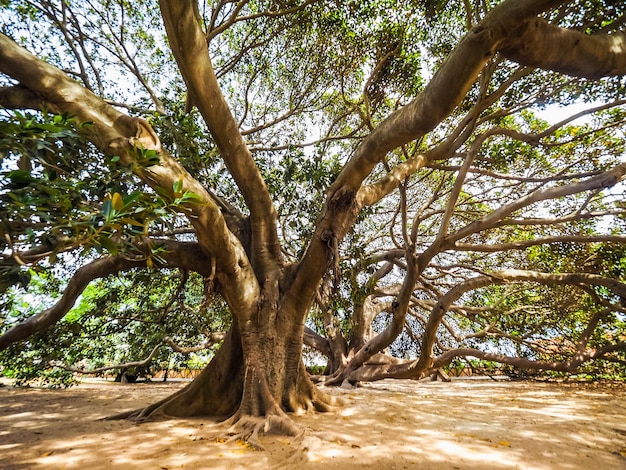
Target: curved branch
(185,255)
(523,244)
(83,276)
(115,133)
(372,193)
(501,277)
(405,369)
(561,366)
(443,93)
(441,96)
(214,337)
(316,341)
(126,365)
(604,180)
(266,14)
(19,97)
(379,342)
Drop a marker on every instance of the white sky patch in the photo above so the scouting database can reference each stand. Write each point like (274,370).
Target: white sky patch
(555,113)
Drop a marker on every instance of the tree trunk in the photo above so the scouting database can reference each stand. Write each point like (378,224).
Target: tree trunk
(255,379)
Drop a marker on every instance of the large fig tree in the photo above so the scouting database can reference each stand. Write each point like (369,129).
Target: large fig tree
(199,191)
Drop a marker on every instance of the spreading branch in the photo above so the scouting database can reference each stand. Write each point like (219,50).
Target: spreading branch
(213,338)
(184,255)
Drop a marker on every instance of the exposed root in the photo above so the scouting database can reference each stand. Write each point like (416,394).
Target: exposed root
(123,415)
(248,428)
(318,401)
(141,415)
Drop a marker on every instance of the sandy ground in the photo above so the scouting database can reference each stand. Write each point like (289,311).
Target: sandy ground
(466,424)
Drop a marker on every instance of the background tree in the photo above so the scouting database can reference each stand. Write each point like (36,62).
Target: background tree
(338,106)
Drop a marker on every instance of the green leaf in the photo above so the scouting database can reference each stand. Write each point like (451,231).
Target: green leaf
(133,222)
(132,197)
(178,185)
(107,209)
(20,176)
(109,244)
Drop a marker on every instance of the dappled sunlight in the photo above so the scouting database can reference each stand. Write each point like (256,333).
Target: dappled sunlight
(617,44)
(465,424)
(474,424)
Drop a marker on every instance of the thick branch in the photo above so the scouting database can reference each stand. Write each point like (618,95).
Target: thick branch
(177,255)
(190,48)
(315,341)
(405,370)
(115,133)
(379,342)
(18,97)
(562,366)
(542,45)
(440,97)
(523,244)
(584,337)
(100,268)
(446,89)
(604,180)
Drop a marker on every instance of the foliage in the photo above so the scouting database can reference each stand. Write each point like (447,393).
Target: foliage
(306,88)
(116,321)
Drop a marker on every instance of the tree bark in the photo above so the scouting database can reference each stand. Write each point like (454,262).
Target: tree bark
(255,379)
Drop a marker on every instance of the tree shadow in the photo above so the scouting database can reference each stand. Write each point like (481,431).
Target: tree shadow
(389,424)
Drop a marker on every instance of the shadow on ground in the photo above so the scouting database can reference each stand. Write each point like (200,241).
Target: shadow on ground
(465,424)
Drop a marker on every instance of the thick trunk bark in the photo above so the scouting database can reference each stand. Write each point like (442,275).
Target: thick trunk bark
(274,376)
(255,379)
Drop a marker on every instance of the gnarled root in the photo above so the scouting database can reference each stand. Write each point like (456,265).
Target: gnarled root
(247,428)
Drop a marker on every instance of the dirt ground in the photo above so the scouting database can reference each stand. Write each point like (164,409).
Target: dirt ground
(465,424)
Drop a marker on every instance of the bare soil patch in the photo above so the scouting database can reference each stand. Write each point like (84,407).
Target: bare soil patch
(465,424)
